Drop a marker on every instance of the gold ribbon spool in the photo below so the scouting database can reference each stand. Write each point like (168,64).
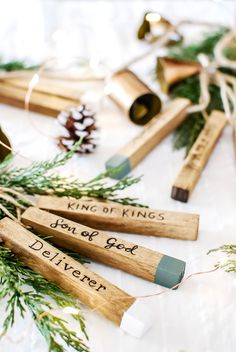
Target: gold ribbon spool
(133,96)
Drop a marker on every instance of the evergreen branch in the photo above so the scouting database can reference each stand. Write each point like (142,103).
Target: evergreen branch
(15,66)
(205,46)
(39,179)
(188,131)
(229,249)
(14,276)
(229,265)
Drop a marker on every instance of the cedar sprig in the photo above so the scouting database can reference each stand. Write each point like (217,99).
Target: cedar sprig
(229,265)
(15,276)
(15,65)
(39,178)
(205,46)
(188,131)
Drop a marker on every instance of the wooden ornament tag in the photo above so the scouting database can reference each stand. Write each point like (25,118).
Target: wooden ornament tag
(47,86)
(154,132)
(90,288)
(40,101)
(54,265)
(198,156)
(108,249)
(105,248)
(124,218)
(234,136)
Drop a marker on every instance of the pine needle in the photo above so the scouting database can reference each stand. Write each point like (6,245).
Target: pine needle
(188,131)
(229,265)
(14,276)
(15,66)
(37,179)
(204,46)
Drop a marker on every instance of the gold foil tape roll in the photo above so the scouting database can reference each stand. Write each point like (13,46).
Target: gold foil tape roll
(133,96)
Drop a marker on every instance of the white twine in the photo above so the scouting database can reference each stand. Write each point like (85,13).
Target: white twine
(205,95)
(227,86)
(219,48)
(226,83)
(209,71)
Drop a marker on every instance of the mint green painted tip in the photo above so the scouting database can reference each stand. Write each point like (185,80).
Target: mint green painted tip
(121,166)
(170,271)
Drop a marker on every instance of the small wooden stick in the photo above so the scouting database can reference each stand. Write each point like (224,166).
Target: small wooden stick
(91,289)
(108,249)
(16,74)
(154,132)
(198,156)
(234,136)
(39,102)
(46,86)
(124,218)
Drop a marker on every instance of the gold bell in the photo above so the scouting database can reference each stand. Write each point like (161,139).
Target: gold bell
(133,96)
(5,146)
(171,71)
(154,26)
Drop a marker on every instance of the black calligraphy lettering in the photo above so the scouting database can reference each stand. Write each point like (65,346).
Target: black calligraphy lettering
(120,246)
(85,277)
(101,287)
(60,223)
(54,257)
(46,254)
(92,283)
(37,245)
(112,243)
(141,214)
(93,208)
(70,206)
(76,273)
(60,260)
(89,235)
(125,213)
(161,216)
(85,207)
(151,215)
(111,210)
(68,267)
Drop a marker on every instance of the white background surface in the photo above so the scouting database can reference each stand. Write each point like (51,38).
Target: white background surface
(201,315)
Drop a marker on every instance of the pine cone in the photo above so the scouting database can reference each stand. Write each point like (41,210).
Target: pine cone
(78,122)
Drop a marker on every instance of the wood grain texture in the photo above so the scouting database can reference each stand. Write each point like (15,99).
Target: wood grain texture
(46,86)
(39,102)
(94,244)
(90,288)
(155,131)
(234,137)
(198,156)
(128,219)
